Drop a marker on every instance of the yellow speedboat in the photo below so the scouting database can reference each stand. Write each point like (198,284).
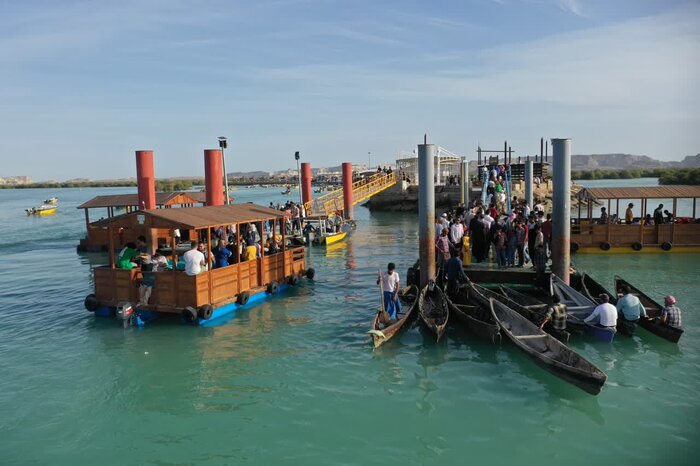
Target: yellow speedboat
(42,210)
(332,238)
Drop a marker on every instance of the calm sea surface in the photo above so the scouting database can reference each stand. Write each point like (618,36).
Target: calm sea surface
(295,380)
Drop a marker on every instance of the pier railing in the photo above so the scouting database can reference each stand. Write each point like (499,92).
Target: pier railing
(361,190)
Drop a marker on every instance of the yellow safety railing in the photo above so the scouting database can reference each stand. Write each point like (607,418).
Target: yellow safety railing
(362,190)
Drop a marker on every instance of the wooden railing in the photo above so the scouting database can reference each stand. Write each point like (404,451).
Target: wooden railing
(175,290)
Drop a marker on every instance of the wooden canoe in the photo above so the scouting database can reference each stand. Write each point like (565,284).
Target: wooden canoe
(534,313)
(578,307)
(380,333)
(434,310)
(548,352)
(464,313)
(470,314)
(653,310)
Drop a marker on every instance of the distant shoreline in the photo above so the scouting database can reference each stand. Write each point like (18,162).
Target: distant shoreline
(666,176)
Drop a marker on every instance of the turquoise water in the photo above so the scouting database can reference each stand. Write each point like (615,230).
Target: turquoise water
(295,380)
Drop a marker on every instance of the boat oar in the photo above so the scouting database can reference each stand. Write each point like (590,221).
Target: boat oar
(381,290)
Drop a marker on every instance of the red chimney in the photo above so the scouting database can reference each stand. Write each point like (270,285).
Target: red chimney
(306,182)
(213,177)
(145,180)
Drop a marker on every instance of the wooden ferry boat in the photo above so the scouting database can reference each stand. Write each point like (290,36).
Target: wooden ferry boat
(591,235)
(109,206)
(209,295)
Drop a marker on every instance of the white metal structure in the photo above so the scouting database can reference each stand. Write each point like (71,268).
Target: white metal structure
(446,163)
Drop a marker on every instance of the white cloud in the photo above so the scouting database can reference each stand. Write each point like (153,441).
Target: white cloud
(572,6)
(644,62)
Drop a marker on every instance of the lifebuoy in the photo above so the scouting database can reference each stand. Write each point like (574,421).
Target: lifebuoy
(573,247)
(666,246)
(310,273)
(189,314)
(293,280)
(242,299)
(273,288)
(205,312)
(605,246)
(91,303)
(637,246)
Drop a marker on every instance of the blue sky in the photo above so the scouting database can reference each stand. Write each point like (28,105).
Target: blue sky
(85,84)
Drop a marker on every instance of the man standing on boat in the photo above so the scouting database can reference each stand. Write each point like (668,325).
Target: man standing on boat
(629,214)
(556,313)
(390,287)
(455,272)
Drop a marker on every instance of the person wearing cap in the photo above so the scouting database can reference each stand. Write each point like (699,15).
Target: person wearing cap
(390,287)
(671,315)
(605,314)
(629,305)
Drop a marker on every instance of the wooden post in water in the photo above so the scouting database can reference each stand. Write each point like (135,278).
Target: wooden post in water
(528,182)
(426,211)
(463,181)
(561,208)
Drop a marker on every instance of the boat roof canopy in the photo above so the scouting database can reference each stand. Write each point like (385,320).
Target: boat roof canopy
(190,218)
(647,192)
(162,199)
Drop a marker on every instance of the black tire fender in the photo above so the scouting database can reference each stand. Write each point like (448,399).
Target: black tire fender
(273,288)
(666,246)
(91,303)
(189,315)
(574,246)
(310,273)
(205,312)
(293,280)
(637,246)
(242,298)
(605,246)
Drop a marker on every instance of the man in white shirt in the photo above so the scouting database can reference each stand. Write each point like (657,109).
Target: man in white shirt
(605,313)
(487,221)
(456,233)
(194,260)
(390,287)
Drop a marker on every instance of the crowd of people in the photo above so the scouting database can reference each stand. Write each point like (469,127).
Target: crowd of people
(517,239)
(512,239)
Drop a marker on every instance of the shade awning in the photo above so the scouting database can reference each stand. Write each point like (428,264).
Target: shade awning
(645,192)
(192,217)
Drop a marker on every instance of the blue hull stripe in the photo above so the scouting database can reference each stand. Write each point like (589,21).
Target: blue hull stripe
(226,311)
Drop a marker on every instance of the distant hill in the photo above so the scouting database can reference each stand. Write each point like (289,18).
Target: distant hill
(628,162)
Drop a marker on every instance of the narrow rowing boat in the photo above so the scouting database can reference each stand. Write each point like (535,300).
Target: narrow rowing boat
(653,310)
(464,312)
(546,351)
(534,313)
(382,333)
(433,309)
(578,307)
